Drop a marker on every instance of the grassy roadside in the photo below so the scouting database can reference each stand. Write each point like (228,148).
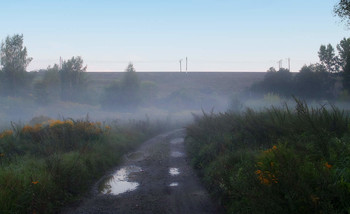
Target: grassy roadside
(46,165)
(276,160)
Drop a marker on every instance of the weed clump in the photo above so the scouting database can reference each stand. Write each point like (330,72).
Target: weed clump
(276,160)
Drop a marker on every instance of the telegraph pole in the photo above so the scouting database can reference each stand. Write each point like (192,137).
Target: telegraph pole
(180,64)
(279,64)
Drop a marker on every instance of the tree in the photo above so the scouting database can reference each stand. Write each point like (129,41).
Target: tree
(346,74)
(47,89)
(328,58)
(314,82)
(130,85)
(14,62)
(72,75)
(125,93)
(277,82)
(342,9)
(344,51)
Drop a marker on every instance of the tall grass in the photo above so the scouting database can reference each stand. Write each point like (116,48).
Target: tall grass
(46,165)
(276,160)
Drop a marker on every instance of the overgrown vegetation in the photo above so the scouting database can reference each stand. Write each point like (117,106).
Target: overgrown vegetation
(276,160)
(48,163)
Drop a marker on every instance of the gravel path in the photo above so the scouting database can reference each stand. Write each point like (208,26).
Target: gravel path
(156,178)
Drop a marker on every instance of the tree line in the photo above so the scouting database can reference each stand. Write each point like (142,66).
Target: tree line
(68,82)
(323,80)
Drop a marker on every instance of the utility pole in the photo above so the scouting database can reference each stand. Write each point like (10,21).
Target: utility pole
(279,64)
(180,64)
(186,63)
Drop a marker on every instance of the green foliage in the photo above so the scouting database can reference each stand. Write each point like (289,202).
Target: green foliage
(277,82)
(48,164)
(342,9)
(344,51)
(72,76)
(328,58)
(14,62)
(276,160)
(123,94)
(314,81)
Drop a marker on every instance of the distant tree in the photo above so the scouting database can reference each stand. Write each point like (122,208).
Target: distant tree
(277,82)
(346,75)
(47,89)
(40,92)
(328,58)
(14,62)
(342,9)
(123,94)
(52,79)
(72,78)
(314,82)
(344,51)
(130,86)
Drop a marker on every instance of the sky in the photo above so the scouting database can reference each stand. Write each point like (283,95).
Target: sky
(214,35)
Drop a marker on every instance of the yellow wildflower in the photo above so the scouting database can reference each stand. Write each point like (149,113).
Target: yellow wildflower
(27,128)
(55,123)
(314,198)
(6,133)
(69,122)
(265,181)
(37,127)
(327,165)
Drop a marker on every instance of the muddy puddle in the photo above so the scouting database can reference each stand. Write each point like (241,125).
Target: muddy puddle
(174,171)
(177,154)
(177,141)
(119,182)
(174,184)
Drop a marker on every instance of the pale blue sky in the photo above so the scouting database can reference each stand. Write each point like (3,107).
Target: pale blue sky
(215,35)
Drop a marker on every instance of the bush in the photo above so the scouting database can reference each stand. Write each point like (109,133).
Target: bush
(47,165)
(276,160)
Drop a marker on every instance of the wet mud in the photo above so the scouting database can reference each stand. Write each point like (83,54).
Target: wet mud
(157,178)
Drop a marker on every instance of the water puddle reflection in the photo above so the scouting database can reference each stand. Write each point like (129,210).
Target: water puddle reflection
(174,171)
(175,184)
(177,141)
(118,182)
(177,154)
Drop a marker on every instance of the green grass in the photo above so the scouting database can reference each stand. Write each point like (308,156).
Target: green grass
(276,160)
(45,166)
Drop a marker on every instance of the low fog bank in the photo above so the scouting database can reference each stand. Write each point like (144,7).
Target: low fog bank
(171,110)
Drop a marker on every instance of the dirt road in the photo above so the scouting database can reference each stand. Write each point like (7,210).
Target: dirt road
(156,178)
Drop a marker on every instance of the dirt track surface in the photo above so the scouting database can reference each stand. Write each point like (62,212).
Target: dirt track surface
(158,191)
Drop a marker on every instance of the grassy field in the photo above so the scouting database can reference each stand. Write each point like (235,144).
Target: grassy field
(275,160)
